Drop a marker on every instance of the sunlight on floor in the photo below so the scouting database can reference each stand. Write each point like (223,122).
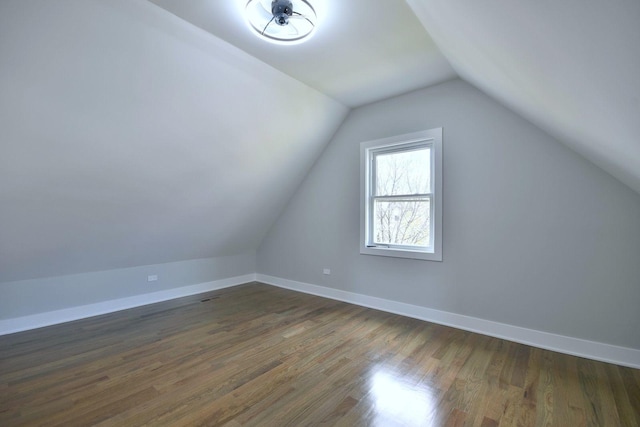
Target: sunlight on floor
(398,402)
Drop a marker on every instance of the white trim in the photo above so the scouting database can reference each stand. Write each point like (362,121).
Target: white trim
(19,324)
(563,344)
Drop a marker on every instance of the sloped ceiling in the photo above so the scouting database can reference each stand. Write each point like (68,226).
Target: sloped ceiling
(362,51)
(132,134)
(130,137)
(571,66)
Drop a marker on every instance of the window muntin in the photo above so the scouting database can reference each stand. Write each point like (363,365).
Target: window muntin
(401,204)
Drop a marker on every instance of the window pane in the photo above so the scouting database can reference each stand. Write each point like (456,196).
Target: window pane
(404,172)
(402,222)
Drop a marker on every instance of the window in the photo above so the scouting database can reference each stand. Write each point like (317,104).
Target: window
(401,196)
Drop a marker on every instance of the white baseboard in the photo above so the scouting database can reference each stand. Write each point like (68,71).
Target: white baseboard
(574,346)
(40,320)
(563,344)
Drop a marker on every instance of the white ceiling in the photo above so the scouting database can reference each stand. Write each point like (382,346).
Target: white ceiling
(572,67)
(129,137)
(134,134)
(361,52)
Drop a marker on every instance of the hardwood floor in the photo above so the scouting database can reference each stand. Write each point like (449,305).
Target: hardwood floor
(263,356)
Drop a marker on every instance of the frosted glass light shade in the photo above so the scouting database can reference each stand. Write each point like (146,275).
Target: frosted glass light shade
(299,27)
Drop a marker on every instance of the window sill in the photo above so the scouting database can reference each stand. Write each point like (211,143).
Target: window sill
(401,253)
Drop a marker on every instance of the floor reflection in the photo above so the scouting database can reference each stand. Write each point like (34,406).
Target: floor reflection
(398,402)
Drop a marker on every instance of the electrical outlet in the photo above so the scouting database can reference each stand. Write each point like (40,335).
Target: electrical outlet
(152,278)
(326,271)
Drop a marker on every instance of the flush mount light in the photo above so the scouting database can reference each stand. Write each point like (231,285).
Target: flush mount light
(281,21)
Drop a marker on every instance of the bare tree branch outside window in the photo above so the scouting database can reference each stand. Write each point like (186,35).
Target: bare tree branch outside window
(402,213)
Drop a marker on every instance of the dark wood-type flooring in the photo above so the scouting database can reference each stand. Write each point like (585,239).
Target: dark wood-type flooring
(263,356)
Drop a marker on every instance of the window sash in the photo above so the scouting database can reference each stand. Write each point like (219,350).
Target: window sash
(372,243)
(372,197)
(412,146)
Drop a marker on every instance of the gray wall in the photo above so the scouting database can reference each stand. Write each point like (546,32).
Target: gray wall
(35,296)
(534,235)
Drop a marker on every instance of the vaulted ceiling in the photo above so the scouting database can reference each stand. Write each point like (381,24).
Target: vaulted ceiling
(361,52)
(572,67)
(136,132)
(130,137)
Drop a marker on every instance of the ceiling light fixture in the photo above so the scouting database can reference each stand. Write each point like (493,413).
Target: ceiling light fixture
(281,21)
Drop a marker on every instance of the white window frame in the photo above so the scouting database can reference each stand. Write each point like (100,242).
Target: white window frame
(428,138)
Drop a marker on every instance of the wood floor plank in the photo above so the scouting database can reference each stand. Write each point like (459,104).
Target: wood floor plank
(256,355)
